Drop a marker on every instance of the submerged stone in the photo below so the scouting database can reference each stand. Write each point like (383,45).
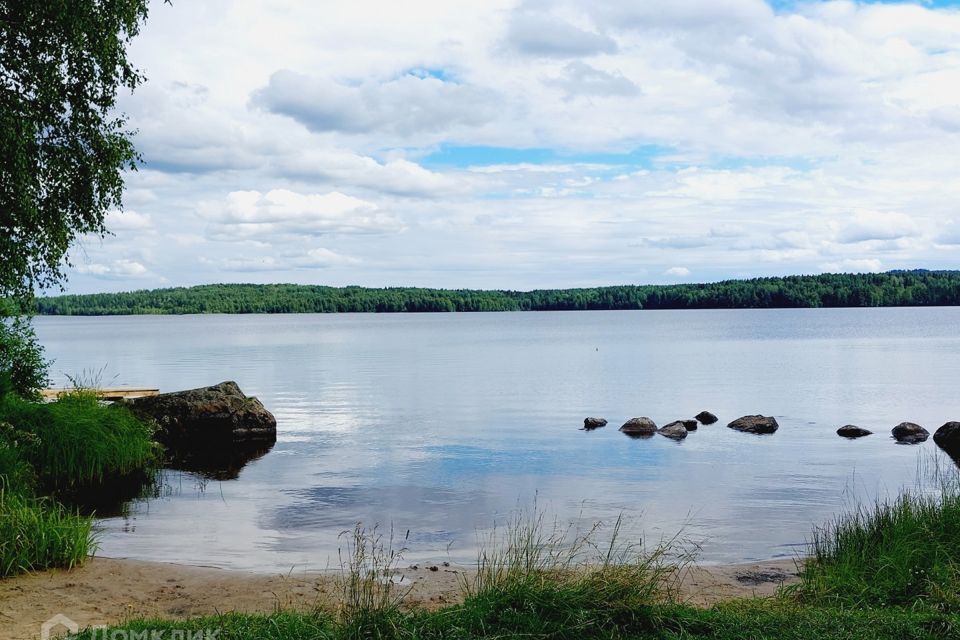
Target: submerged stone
(853,431)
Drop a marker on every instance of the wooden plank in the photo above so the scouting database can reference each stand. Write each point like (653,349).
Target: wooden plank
(105,394)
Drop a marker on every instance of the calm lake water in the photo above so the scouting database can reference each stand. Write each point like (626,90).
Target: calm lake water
(443,424)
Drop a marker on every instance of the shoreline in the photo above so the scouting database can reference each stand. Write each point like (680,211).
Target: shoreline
(113,590)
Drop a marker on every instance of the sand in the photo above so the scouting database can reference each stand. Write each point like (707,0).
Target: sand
(108,591)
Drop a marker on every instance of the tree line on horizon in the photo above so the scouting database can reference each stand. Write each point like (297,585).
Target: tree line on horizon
(891,289)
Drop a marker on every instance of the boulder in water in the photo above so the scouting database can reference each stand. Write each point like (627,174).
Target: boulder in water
(910,433)
(209,417)
(853,431)
(594,423)
(705,417)
(674,430)
(639,427)
(755,424)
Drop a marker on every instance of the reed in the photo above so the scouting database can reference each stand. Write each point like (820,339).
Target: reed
(370,595)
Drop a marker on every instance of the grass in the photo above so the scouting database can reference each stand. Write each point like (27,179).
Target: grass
(903,552)
(79,441)
(37,533)
(61,448)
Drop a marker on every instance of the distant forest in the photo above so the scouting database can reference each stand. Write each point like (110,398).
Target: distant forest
(892,289)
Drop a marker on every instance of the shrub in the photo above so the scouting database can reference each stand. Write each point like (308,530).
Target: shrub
(22,367)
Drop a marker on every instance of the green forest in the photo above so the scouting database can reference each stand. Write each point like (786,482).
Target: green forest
(891,289)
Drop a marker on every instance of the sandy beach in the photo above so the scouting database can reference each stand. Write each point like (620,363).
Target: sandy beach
(110,590)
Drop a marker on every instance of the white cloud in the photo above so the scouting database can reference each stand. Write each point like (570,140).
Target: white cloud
(868,265)
(117,269)
(405,106)
(679,272)
(252,214)
(876,225)
(578,78)
(539,33)
(128,221)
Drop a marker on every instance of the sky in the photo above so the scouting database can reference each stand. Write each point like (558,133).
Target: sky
(529,144)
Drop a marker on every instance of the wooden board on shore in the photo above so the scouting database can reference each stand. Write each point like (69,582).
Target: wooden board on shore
(118,393)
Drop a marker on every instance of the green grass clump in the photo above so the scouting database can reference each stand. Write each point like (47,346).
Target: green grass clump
(39,534)
(764,619)
(904,552)
(79,442)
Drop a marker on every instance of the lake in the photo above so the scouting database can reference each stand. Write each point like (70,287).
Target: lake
(444,424)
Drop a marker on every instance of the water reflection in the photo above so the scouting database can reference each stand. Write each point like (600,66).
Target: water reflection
(223,464)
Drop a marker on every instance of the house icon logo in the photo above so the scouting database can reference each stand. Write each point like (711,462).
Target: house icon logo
(48,628)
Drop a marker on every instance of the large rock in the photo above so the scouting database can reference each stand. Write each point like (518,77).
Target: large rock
(947,438)
(909,433)
(594,423)
(853,431)
(705,417)
(755,424)
(639,427)
(210,417)
(674,430)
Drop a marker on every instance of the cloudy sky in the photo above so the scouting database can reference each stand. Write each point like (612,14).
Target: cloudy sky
(506,144)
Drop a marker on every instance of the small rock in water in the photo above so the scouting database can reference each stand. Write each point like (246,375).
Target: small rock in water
(755,424)
(690,425)
(705,417)
(853,431)
(594,423)
(674,430)
(639,427)
(947,438)
(910,433)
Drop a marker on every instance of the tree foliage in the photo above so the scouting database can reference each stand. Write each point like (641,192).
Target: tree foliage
(63,147)
(896,288)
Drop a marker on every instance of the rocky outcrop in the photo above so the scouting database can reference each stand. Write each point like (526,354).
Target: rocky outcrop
(705,417)
(674,431)
(689,425)
(852,431)
(755,424)
(639,427)
(208,418)
(594,423)
(947,438)
(910,433)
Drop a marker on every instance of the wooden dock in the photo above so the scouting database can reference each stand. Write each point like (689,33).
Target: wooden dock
(118,393)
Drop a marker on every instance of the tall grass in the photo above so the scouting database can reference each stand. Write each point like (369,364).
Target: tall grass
(39,534)
(899,552)
(369,594)
(540,577)
(79,441)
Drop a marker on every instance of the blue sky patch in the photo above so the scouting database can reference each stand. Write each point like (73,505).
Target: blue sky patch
(463,156)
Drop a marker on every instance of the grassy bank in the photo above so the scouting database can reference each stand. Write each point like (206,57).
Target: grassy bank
(882,572)
(56,451)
